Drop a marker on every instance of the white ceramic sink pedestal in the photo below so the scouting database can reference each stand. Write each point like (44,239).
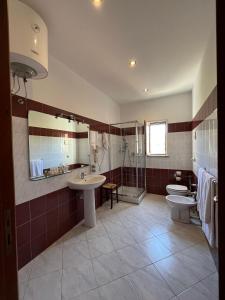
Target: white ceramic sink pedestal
(88,184)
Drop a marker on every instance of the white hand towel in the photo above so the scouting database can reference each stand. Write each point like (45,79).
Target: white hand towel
(206,210)
(200,190)
(105,141)
(36,167)
(93,139)
(208,200)
(209,228)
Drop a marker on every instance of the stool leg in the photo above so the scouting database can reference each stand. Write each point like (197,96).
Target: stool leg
(111,200)
(117,198)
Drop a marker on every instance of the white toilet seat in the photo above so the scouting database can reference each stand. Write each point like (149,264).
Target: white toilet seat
(176,189)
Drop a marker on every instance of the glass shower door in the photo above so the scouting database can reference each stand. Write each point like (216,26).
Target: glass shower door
(128,149)
(140,157)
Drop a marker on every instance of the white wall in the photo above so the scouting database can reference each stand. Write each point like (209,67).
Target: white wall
(175,108)
(205,134)
(206,78)
(67,90)
(38,119)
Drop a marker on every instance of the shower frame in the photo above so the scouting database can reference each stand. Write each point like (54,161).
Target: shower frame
(141,195)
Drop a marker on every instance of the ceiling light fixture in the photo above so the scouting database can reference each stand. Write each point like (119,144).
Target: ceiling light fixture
(97,3)
(146,90)
(132,63)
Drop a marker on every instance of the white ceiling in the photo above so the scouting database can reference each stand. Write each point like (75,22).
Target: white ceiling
(167,38)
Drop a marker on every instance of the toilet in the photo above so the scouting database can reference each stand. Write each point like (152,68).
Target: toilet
(176,189)
(180,207)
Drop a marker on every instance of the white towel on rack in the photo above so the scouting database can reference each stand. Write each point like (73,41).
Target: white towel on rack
(36,167)
(205,198)
(208,198)
(200,190)
(209,228)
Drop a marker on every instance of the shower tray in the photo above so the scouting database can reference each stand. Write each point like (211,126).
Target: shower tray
(131,194)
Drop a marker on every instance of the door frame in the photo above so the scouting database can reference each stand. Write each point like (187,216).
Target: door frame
(220,25)
(8,257)
(8,262)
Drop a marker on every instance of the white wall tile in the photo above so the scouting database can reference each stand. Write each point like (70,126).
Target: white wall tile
(179,153)
(204,139)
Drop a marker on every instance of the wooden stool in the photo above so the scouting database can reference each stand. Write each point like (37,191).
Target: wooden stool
(110,187)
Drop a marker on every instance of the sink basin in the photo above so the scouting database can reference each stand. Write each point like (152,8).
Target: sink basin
(89,182)
(88,185)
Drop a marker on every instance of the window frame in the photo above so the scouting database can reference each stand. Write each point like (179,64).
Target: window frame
(148,124)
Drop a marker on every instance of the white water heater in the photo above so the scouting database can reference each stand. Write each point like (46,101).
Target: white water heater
(28,36)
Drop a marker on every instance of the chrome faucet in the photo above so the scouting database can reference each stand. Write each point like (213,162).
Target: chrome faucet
(82,174)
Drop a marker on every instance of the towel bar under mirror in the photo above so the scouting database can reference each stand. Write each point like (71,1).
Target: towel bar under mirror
(57,144)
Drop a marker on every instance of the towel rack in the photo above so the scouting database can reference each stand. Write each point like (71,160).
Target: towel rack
(215,192)
(215,184)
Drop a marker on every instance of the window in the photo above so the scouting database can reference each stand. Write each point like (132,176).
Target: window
(156,138)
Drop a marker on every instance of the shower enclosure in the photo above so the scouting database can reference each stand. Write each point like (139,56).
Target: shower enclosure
(127,160)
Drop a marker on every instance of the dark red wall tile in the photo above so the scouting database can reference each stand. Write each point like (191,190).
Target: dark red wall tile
(180,127)
(23,234)
(52,220)
(23,255)
(52,236)
(19,110)
(22,213)
(52,201)
(38,206)
(38,226)
(38,245)
(34,105)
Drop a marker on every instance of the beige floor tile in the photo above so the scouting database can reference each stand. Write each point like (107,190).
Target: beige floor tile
(206,289)
(120,289)
(149,284)
(134,256)
(75,255)
(185,269)
(50,260)
(109,267)
(96,232)
(75,235)
(121,239)
(177,241)
(114,259)
(76,281)
(44,287)
(91,295)
(155,249)
(100,246)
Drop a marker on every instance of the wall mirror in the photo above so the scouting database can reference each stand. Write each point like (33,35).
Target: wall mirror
(57,144)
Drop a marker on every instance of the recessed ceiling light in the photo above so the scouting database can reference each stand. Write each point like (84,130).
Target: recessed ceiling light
(97,3)
(132,63)
(146,90)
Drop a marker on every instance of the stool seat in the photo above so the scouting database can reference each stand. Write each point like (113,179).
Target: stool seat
(109,188)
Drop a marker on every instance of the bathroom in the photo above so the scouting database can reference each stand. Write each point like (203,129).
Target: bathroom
(112,136)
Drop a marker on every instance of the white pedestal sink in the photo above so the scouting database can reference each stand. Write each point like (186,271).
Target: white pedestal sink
(88,184)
